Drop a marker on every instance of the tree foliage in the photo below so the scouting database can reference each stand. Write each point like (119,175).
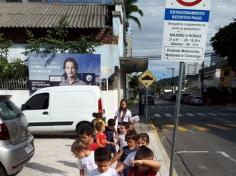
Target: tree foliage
(134,83)
(224,43)
(4,47)
(130,9)
(14,70)
(10,70)
(55,41)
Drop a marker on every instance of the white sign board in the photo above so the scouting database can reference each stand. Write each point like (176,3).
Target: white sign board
(185,30)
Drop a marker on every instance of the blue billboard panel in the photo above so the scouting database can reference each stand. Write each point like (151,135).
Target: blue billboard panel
(187,15)
(63,69)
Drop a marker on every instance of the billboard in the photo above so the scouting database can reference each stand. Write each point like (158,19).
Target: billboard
(63,69)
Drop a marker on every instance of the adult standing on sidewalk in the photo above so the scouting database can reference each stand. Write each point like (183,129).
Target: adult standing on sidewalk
(123,113)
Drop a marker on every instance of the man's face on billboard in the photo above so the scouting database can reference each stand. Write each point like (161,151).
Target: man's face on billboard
(70,70)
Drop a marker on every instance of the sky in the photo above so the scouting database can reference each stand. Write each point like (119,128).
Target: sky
(148,40)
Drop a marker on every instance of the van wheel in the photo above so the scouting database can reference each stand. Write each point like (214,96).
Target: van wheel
(2,171)
(84,125)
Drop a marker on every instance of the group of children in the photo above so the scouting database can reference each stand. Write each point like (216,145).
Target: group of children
(97,154)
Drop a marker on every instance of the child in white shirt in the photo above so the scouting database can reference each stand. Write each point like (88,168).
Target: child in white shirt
(122,132)
(103,162)
(85,157)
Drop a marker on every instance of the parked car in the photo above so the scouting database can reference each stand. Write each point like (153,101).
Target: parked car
(187,99)
(62,109)
(183,97)
(196,100)
(16,142)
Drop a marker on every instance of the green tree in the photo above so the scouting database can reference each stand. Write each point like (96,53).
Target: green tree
(4,47)
(134,84)
(131,8)
(14,70)
(224,43)
(55,41)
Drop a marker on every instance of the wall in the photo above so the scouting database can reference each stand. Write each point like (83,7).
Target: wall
(110,102)
(109,98)
(18,96)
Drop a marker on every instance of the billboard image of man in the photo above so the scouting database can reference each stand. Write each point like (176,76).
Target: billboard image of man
(71,73)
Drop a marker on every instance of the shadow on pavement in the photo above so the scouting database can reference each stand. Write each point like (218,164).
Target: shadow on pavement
(43,168)
(48,136)
(70,164)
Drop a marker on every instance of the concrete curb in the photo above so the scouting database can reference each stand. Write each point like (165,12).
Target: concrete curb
(157,147)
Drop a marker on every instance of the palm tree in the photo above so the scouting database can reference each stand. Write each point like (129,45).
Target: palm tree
(131,8)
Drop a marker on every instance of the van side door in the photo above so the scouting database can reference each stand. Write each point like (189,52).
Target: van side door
(37,112)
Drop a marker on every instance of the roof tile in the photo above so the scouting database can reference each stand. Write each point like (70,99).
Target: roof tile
(47,15)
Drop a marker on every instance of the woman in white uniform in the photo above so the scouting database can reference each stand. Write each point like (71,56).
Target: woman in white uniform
(123,113)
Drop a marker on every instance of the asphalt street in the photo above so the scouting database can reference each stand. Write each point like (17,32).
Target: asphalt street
(205,139)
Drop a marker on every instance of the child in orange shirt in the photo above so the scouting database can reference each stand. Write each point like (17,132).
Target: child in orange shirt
(101,138)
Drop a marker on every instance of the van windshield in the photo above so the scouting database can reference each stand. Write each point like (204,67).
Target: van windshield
(8,110)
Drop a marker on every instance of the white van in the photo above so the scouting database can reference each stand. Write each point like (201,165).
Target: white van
(62,108)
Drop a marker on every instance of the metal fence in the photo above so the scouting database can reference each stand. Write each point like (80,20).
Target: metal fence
(20,84)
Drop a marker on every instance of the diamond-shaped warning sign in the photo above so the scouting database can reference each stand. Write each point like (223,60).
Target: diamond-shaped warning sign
(147,78)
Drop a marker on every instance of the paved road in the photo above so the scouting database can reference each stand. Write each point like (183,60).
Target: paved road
(206,137)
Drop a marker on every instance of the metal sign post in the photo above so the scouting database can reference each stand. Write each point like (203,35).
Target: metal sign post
(177,107)
(146,79)
(184,40)
(146,104)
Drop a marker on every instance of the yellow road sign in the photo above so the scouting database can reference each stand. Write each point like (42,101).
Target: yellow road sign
(147,78)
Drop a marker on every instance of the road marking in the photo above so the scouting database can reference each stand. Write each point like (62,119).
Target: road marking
(231,114)
(189,114)
(201,114)
(231,125)
(226,156)
(180,152)
(225,121)
(212,114)
(218,127)
(157,115)
(222,114)
(200,128)
(170,126)
(168,115)
(180,128)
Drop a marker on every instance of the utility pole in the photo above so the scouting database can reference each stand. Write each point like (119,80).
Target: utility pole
(172,81)
(202,82)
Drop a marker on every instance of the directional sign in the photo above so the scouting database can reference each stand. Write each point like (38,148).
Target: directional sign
(147,78)
(185,30)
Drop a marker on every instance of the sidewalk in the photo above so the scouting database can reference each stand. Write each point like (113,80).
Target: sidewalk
(156,146)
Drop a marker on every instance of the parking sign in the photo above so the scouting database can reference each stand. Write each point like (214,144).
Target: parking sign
(185,30)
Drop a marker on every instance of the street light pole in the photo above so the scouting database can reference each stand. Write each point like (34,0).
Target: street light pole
(173,70)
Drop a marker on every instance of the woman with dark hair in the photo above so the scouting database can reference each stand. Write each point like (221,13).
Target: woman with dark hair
(123,113)
(71,68)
